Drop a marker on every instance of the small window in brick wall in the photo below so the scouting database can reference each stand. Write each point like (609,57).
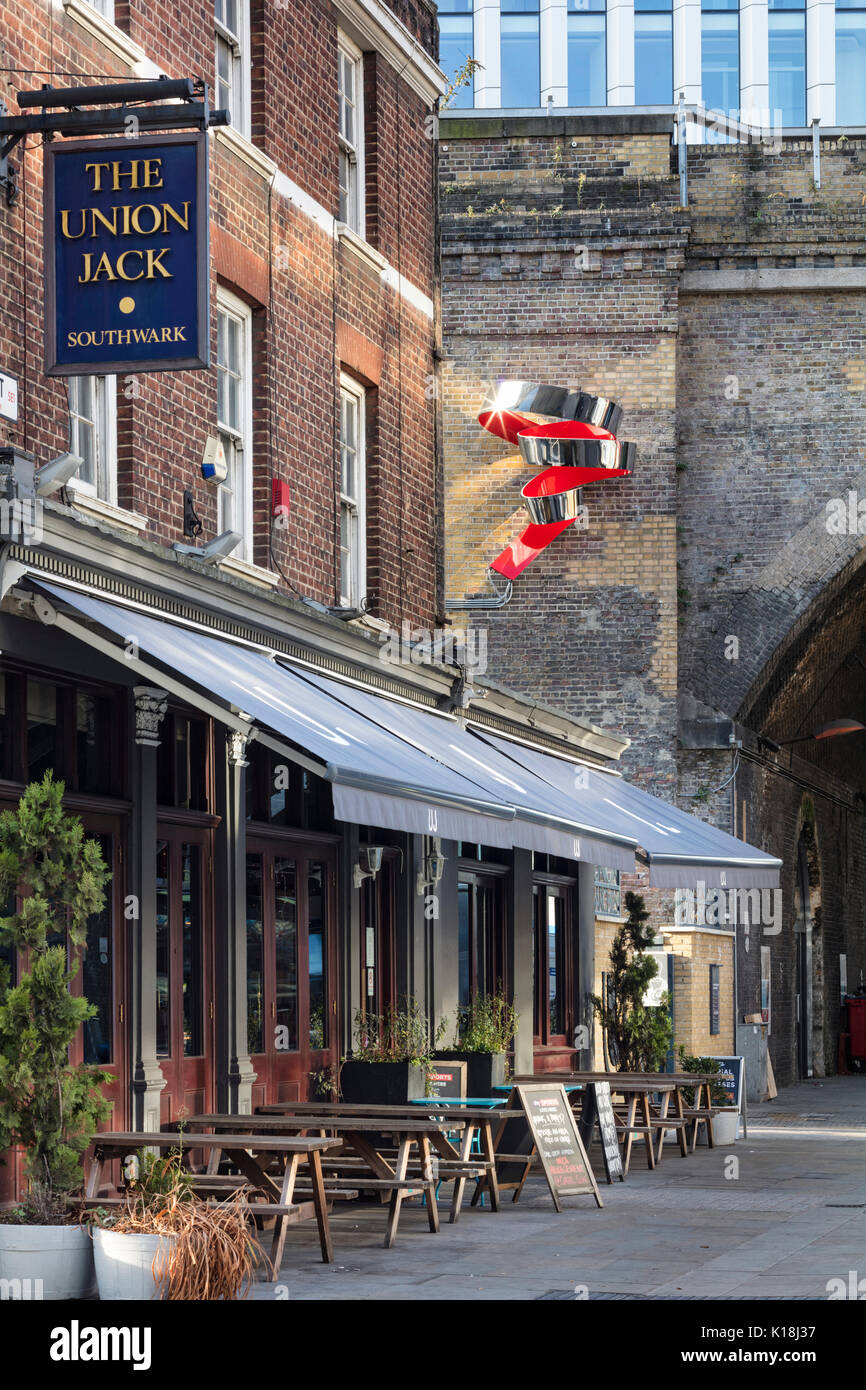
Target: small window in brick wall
(350,90)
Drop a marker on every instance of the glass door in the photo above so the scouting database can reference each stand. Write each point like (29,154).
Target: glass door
(291,985)
(184,992)
(553,967)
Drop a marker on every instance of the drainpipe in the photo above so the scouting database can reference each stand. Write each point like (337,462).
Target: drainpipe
(816,151)
(682,152)
(503,596)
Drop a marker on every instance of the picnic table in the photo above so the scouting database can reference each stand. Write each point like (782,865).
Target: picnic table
(455,1164)
(695,1113)
(639,1116)
(359,1150)
(252,1154)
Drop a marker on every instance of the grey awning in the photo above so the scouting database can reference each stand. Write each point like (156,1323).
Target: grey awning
(682,849)
(377,778)
(546,820)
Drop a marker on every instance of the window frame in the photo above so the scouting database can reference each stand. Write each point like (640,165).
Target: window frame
(239,43)
(353,596)
(238,442)
(659,9)
(506,12)
(790,7)
(601,11)
(356,209)
(858,9)
(104,424)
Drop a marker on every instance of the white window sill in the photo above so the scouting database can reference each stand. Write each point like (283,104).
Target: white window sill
(244,149)
(253,573)
(106,511)
(362,249)
(111,37)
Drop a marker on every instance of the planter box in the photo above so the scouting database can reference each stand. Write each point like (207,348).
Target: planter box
(381,1083)
(484,1071)
(726,1125)
(47,1262)
(125,1264)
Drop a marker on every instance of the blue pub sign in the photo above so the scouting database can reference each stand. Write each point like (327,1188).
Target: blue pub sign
(127,258)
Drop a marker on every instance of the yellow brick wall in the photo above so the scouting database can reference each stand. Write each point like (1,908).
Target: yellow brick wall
(694,952)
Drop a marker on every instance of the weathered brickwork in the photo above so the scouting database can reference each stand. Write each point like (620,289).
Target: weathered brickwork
(299,280)
(732,334)
(560,258)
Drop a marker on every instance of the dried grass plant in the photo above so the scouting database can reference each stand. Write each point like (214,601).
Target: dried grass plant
(213,1253)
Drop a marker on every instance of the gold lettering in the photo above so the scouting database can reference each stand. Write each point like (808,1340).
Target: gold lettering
(97,177)
(150,179)
(179,335)
(64,225)
(72,340)
(166,335)
(120,265)
(154,264)
(104,268)
(168,211)
(109,226)
(136,219)
(83,279)
(118,172)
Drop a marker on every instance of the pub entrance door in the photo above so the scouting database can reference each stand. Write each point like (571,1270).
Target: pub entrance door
(292,1023)
(184,969)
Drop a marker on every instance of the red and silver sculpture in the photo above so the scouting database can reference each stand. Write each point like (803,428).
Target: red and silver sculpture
(575,445)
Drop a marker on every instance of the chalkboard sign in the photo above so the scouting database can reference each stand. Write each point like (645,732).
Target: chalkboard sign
(556,1139)
(447,1079)
(730,1080)
(597,1105)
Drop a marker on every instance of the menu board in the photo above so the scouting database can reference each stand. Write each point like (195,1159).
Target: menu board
(597,1105)
(447,1079)
(730,1080)
(554,1133)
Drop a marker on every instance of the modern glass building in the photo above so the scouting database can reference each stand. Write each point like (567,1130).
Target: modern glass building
(785,62)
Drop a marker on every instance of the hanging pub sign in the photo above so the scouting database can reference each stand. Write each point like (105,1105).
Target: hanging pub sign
(127,255)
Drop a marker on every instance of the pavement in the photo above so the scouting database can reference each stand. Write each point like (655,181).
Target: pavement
(777,1215)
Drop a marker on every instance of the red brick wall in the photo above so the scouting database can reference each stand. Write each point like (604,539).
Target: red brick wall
(299,281)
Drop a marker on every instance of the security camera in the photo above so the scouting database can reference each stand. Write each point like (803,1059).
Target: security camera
(215,550)
(56,474)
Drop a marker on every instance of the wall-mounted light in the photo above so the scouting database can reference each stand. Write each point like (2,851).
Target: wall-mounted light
(56,474)
(433,868)
(369,863)
(837,728)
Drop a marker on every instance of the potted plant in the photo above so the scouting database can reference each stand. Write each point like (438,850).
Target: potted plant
(726,1120)
(391,1057)
(166,1243)
(637,1036)
(483,1033)
(48,1107)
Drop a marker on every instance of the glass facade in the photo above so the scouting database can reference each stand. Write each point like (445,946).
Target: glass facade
(520,53)
(587,53)
(456,46)
(720,55)
(850,63)
(787,61)
(653,53)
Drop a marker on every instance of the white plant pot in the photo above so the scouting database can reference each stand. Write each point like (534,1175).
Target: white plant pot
(46,1263)
(125,1264)
(726,1124)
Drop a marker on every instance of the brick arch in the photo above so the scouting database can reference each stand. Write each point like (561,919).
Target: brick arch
(775,620)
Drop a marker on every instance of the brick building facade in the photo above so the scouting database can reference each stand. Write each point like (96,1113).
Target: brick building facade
(730,332)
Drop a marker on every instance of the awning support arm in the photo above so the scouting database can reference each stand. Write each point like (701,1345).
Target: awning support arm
(52,617)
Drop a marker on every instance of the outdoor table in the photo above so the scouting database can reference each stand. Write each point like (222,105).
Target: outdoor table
(636,1088)
(476,1116)
(246,1152)
(699,1112)
(358,1133)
